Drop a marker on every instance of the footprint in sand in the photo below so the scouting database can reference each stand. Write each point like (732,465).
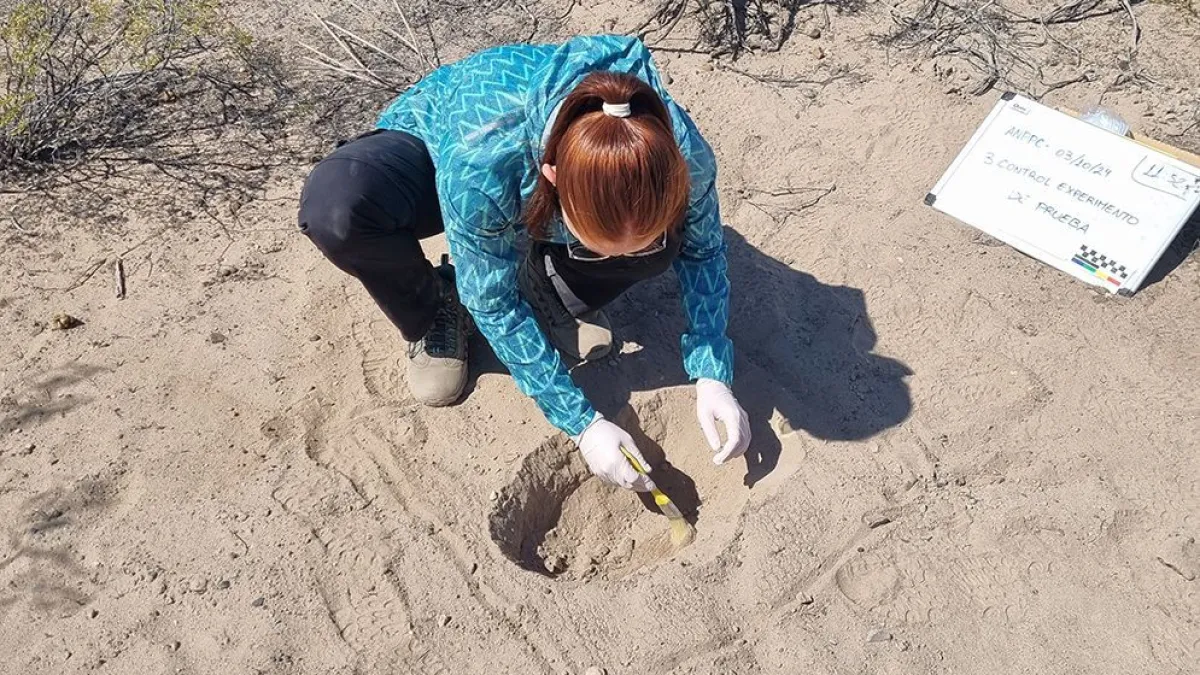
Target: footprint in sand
(381,354)
(906,586)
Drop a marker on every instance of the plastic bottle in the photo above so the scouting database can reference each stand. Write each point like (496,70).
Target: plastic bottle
(1104,118)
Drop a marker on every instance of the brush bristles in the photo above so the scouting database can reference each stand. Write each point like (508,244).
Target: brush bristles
(682,533)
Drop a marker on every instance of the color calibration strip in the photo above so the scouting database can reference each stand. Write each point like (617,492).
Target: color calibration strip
(1096,271)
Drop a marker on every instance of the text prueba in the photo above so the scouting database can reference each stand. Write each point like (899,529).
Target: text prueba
(1063,217)
(1107,207)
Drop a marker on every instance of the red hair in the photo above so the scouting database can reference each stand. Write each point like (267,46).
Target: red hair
(619,178)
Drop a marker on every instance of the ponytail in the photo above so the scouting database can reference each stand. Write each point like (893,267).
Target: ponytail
(621,174)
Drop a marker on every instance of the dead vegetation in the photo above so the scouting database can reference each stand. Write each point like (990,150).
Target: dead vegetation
(1007,42)
(368,51)
(730,27)
(107,103)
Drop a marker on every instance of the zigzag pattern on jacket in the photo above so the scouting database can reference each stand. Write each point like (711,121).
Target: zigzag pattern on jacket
(483,119)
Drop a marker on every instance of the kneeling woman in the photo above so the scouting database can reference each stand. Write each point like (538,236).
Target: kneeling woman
(579,145)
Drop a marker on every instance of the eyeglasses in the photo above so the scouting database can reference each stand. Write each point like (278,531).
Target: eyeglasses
(577,251)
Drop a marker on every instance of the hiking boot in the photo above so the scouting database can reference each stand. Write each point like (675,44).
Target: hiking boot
(585,337)
(437,367)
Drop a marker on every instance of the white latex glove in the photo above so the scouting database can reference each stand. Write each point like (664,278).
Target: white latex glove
(715,403)
(601,444)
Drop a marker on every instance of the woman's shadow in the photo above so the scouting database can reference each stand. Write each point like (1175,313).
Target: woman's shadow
(803,348)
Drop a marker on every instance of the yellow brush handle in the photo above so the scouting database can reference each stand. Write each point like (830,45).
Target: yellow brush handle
(637,466)
(659,498)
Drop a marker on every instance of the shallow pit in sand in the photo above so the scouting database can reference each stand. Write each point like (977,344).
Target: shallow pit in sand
(555,518)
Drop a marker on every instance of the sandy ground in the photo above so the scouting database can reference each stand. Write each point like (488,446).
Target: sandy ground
(964,461)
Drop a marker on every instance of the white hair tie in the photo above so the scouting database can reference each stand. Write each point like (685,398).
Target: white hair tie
(617,109)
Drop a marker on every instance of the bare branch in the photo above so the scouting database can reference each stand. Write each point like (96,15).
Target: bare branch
(117,105)
(1136,34)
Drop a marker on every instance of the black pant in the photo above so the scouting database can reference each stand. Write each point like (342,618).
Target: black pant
(368,204)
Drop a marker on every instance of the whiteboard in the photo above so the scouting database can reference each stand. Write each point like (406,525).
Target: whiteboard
(1098,206)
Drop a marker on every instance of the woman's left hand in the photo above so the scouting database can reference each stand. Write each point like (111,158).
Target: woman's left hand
(715,403)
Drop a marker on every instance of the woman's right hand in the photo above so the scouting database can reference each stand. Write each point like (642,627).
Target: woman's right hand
(601,443)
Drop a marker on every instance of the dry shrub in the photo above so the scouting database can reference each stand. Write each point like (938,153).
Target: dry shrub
(1008,42)
(109,101)
(733,26)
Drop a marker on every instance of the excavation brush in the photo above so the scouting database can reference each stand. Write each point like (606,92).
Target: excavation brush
(682,532)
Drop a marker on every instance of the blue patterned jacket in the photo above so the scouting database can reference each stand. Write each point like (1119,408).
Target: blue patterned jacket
(484,120)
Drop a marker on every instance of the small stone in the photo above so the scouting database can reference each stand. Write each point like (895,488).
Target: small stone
(819,53)
(64,321)
(175,646)
(493,496)
(879,635)
(258,602)
(27,450)
(93,613)
(708,65)
(814,33)
(667,79)
(474,567)
(595,671)
(805,599)
(198,585)
(314,338)
(443,621)
(216,338)
(223,584)
(556,564)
